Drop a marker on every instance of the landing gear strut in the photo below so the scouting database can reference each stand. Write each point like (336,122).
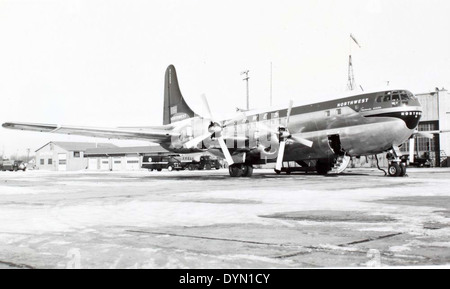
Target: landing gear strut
(240,170)
(397,166)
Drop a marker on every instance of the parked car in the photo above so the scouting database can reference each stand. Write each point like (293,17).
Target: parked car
(9,165)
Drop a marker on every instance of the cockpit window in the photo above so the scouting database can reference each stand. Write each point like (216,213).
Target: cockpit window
(404,96)
(410,95)
(387,97)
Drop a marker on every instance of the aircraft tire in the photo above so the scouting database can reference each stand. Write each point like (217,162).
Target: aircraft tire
(394,170)
(322,167)
(235,171)
(247,171)
(402,170)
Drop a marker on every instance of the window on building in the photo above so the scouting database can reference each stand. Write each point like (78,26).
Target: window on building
(76,154)
(42,162)
(50,161)
(339,111)
(327,113)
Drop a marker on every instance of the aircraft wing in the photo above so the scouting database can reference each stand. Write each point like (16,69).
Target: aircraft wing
(146,134)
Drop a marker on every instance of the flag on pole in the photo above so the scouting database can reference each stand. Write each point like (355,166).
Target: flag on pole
(354,39)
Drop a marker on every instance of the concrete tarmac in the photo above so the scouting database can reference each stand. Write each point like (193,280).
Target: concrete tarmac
(205,219)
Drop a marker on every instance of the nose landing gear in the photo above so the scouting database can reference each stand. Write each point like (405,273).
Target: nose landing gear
(397,165)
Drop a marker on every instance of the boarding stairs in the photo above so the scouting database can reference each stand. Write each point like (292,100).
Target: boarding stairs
(341,164)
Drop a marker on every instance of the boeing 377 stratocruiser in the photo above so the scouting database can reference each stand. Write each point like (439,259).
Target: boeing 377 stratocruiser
(322,135)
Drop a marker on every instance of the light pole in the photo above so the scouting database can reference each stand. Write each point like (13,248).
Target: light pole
(246,78)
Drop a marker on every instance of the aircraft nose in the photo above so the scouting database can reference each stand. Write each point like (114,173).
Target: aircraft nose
(411,118)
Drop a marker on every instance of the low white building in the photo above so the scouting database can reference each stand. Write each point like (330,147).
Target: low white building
(65,156)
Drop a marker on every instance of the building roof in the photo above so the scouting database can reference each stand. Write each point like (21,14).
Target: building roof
(124,151)
(78,146)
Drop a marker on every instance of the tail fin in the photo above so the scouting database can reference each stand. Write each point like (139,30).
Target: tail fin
(175,107)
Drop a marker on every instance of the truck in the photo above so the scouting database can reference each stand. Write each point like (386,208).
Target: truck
(204,163)
(10,165)
(159,163)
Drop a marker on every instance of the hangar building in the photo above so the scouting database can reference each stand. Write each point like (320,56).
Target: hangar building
(74,156)
(435,118)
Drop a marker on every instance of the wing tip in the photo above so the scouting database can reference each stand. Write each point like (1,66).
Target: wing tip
(7,125)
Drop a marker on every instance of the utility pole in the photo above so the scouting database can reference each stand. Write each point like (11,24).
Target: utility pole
(246,78)
(271,83)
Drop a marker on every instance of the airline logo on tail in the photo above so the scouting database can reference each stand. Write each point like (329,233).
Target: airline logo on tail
(179,117)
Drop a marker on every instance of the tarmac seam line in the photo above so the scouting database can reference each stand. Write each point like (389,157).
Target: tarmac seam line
(20,266)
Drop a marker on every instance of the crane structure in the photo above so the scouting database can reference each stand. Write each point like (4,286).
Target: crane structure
(351,77)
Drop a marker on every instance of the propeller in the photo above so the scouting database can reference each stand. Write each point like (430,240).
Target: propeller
(216,129)
(425,134)
(283,134)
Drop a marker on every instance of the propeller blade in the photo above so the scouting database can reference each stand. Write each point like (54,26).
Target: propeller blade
(291,103)
(411,150)
(206,105)
(280,156)
(240,116)
(195,141)
(425,134)
(225,151)
(303,141)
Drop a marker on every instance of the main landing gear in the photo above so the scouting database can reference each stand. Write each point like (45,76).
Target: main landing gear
(240,170)
(397,165)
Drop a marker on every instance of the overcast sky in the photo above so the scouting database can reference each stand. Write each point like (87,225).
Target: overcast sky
(102,63)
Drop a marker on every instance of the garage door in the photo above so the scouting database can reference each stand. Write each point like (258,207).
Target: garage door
(117,164)
(104,164)
(62,162)
(93,164)
(132,164)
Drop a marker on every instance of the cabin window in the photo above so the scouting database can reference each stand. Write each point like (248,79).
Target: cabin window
(76,154)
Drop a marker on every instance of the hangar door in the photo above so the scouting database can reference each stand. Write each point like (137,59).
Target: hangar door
(62,162)
(117,164)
